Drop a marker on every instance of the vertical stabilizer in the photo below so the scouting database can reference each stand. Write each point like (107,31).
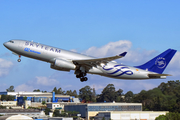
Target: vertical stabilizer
(159,63)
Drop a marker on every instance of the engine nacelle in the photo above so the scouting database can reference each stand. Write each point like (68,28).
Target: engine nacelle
(63,65)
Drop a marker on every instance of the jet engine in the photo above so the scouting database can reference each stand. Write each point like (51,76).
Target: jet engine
(62,65)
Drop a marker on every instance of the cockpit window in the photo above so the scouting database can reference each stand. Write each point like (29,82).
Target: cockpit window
(11,41)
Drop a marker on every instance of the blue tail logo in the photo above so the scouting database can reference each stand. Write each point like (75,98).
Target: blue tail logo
(159,63)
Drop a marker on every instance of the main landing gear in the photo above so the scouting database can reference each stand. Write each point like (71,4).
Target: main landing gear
(80,72)
(83,79)
(19,60)
(81,75)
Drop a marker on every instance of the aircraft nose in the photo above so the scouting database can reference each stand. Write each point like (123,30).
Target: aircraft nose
(5,44)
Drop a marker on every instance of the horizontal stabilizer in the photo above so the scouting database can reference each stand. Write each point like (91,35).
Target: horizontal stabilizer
(158,75)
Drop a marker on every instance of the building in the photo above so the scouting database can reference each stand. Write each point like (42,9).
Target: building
(113,111)
(35,99)
(18,94)
(19,117)
(17,114)
(129,115)
(39,98)
(92,109)
(60,105)
(54,106)
(8,103)
(27,112)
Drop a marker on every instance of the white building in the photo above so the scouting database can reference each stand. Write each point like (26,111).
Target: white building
(8,103)
(129,115)
(54,106)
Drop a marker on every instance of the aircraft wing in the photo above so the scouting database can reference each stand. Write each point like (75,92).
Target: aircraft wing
(98,61)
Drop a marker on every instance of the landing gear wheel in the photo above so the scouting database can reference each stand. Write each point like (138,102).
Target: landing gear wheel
(19,60)
(83,79)
(77,76)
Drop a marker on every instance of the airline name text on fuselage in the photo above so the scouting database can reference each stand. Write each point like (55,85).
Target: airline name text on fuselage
(27,43)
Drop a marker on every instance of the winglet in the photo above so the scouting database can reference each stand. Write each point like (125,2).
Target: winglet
(123,54)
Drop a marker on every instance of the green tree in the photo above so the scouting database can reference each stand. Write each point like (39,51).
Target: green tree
(119,97)
(60,91)
(47,110)
(7,98)
(139,98)
(129,96)
(164,97)
(55,90)
(161,117)
(56,113)
(69,92)
(72,114)
(10,89)
(2,107)
(119,92)
(63,114)
(108,94)
(169,116)
(43,102)
(38,90)
(75,93)
(25,98)
(86,93)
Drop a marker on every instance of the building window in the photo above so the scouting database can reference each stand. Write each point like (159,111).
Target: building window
(115,108)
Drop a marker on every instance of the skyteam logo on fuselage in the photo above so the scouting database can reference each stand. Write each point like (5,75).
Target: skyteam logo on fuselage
(117,70)
(41,46)
(160,62)
(29,50)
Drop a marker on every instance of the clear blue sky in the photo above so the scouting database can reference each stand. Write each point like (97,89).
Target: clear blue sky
(147,28)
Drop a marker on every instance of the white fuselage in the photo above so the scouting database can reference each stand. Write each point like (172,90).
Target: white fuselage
(50,54)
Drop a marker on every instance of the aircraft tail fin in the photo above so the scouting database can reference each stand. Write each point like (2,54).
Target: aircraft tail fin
(159,63)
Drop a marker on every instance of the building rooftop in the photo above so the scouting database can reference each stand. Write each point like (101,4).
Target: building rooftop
(43,95)
(18,110)
(33,94)
(103,104)
(19,117)
(113,104)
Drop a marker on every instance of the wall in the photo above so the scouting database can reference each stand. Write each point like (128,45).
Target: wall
(8,103)
(82,109)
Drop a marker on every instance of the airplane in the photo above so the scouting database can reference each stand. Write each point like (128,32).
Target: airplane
(65,60)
